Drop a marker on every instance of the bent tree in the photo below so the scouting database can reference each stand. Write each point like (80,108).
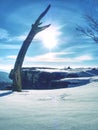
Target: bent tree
(17,71)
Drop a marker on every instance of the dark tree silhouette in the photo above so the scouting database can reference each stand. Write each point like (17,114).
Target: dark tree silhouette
(36,28)
(91,29)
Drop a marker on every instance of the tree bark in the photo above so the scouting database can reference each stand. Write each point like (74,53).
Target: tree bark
(17,71)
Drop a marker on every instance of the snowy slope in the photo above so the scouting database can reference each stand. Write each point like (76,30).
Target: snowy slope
(4,80)
(61,109)
(4,77)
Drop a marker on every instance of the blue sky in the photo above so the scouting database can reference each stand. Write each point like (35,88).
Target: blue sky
(58,46)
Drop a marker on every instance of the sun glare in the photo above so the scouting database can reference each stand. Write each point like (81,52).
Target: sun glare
(50,37)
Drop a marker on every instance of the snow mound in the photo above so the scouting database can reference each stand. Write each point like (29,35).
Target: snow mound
(60,109)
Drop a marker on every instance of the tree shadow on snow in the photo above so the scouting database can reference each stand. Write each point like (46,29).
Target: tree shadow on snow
(6,93)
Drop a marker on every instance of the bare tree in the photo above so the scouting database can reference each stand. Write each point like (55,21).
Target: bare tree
(91,29)
(17,71)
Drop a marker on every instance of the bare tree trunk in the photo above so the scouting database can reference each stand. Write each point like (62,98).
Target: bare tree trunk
(17,76)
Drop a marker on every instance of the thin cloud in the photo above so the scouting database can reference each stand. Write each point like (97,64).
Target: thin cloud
(84,58)
(11,57)
(54,57)
(8,47)
(6,64)
(17,38)
(6,67)
(3,33)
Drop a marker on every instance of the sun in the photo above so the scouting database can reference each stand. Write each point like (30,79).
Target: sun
(50,37)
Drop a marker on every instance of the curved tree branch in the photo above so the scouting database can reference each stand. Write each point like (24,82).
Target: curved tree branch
(17,76)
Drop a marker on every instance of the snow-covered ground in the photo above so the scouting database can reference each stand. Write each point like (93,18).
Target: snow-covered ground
(74,108)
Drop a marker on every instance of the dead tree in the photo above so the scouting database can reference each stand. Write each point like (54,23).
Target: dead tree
(17,71)
(91,28)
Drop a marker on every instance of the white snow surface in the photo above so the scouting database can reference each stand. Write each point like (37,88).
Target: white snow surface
(73,108)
